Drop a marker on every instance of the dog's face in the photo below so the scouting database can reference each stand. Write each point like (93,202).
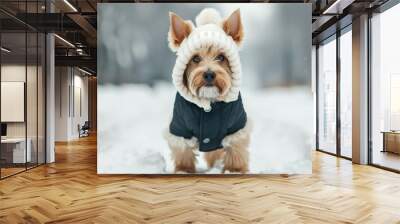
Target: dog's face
(208,74)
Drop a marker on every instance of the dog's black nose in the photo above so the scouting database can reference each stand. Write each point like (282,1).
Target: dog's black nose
(209,76)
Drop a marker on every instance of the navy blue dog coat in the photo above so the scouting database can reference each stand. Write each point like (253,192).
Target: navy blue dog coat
(209,128)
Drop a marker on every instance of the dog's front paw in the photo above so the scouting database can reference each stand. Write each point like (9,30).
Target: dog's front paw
(229,172)
(185,170)
(234,170)
(236,161)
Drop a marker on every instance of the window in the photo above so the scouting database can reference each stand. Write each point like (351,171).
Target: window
(22,79)
(346,92)
(385,89)
(327,95)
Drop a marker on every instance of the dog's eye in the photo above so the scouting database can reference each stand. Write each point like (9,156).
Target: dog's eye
(196,59)
(220,57)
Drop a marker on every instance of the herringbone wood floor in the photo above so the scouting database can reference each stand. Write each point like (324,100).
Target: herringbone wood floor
(70,191)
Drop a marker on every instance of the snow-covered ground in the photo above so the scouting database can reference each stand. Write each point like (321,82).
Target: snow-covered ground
(132,118)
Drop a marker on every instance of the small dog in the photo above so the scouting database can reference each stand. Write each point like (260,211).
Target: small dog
(208,112)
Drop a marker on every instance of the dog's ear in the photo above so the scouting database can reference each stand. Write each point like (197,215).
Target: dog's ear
(233,27)
(179,29)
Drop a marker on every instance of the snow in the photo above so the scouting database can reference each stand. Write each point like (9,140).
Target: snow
(133,117)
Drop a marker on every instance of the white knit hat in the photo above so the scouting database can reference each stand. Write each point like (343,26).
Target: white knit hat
(208,32)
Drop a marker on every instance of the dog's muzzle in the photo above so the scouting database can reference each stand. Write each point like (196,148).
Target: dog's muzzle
(209,77)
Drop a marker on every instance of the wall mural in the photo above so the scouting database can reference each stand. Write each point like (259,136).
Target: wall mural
(204,88)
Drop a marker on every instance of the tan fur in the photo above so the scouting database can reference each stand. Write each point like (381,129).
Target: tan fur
(213,156)
(194,71)
(179,29)
(236,146)
(237,156)
(185,160)
(182,152)
(233,27)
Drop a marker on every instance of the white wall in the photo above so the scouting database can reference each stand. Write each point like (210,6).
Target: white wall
(14,73)
(79,117)
(33,126)
(17,73)
(11,73)
(62,81)
(70,83)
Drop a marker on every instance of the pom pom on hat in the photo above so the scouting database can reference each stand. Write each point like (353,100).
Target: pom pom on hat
(207,16)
